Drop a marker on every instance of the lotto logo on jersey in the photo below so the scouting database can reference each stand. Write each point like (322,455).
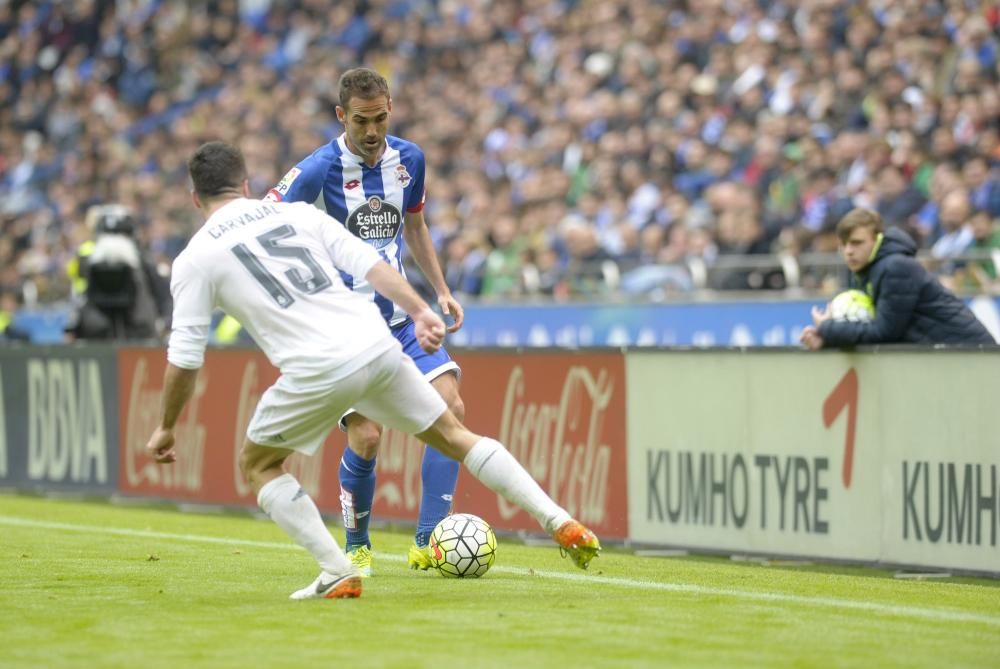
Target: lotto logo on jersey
(278,193)
(376,222)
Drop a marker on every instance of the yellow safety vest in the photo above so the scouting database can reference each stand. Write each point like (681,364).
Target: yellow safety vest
(79,283)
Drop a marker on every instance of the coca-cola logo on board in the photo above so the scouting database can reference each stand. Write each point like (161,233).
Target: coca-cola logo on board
(143,417)
(561,444)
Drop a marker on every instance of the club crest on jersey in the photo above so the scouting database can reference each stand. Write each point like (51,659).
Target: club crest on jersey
(376,222)
(402,176)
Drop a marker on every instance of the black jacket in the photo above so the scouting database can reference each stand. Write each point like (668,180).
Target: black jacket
(911,305)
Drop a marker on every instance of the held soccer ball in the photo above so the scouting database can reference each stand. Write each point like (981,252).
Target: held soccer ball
(852,305)
(463,545)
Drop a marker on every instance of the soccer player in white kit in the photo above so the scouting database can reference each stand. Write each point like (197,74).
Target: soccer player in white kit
(276,268)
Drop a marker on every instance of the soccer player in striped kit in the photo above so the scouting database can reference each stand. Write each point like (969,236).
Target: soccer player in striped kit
(374,184)
(277,268)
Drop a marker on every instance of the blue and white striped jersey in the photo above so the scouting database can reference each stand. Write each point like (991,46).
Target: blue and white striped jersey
(371,202)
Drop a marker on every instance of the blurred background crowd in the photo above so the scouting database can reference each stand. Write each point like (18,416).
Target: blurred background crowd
(573,146)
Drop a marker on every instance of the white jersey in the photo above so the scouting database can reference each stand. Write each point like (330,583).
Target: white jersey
(275,267)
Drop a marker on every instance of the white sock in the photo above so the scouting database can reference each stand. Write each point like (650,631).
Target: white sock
(493,464)
(287,503)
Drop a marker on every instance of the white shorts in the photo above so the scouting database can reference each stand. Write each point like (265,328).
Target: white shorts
(450,367)
(390,390)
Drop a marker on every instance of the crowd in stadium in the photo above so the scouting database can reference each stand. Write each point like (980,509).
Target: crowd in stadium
(559,134)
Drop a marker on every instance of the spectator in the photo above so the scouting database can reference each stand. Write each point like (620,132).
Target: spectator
(587,263)
(502,273)
(464,259)
(983,184)
(944,179)
(547,107)
(956,233)
(819,199)
(9,330)
(898,199)
(982,272)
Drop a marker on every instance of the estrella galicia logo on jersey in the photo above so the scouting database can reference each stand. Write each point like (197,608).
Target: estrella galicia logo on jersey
(376,222)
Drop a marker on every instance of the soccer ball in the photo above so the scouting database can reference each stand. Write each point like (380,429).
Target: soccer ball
(852,305)
(463,545)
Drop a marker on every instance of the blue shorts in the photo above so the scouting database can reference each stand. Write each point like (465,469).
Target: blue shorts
(431,365)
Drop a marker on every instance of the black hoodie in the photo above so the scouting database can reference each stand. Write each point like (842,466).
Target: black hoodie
(911,305)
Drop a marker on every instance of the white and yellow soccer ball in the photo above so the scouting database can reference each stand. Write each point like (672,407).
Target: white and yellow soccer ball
(852,305)
(463,546)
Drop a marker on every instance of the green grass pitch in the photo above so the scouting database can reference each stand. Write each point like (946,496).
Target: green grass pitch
(98,585)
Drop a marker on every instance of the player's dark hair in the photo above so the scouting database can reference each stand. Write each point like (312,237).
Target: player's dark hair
(363,83)
(858,218)
(217,168)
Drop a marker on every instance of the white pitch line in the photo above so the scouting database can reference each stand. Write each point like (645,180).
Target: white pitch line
(684,588)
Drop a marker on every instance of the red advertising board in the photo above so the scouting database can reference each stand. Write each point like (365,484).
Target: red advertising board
(561,414)
(209,434)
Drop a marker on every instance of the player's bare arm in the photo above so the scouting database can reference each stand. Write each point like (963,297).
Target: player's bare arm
(428,326)
(418,241)
(178,386)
